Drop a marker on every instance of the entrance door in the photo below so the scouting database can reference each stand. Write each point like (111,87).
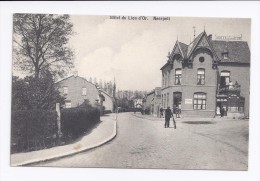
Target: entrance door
(177,98)
(220,105)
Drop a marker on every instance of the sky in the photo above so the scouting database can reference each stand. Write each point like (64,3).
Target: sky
(133,51)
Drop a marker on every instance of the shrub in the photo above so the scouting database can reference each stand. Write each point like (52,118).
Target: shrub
(76,121)
(35,93)
(33,130)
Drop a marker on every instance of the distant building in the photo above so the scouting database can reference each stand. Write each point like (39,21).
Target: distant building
(153,101)
(108,102)
(77,89)
(206,75)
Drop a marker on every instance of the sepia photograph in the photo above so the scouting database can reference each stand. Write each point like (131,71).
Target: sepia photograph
(130,92)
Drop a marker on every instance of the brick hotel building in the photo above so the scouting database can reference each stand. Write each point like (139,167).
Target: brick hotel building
(206,75)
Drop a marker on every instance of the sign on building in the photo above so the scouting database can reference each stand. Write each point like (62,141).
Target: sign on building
(188,101)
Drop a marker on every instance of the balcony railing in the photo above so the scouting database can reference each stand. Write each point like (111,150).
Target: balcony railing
(229,89)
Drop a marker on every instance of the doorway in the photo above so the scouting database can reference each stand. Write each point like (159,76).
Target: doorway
(221,104)
(177,98)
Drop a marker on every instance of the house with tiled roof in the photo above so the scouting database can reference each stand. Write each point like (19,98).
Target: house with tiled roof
(76,90)
(206,76)
(153,102)
(108,101)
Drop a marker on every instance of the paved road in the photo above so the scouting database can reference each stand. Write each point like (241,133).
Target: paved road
(143,143)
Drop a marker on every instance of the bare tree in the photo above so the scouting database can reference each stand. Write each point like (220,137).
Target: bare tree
(41,43)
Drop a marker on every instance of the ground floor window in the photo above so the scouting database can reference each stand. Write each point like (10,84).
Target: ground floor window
(236,104)
(199,101)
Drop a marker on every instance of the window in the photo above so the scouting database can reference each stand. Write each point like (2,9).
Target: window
(65,90)
(199,101)
(84,91)
(67,104)
(178,73)
(201,59)
(225,56)
(201,77)
(224,78)
(167,100)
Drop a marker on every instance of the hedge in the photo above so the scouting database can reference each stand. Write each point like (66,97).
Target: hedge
(37,129)
(33,130)
(77,121)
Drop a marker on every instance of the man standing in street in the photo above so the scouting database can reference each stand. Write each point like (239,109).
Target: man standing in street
(168,115)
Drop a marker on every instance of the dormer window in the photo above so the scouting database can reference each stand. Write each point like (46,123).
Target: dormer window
(225,55)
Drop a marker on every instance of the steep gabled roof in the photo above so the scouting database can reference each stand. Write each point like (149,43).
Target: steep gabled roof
(64,79)
(165,65)
(184,48)
(193,44)
(104,92)
(238,51)
(176,50)
(74,76)
(202,40)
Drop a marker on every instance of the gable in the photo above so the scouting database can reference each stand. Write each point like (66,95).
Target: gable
(77,81)
(203,42)
(176,50)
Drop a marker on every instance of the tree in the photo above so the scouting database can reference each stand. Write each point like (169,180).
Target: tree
(35,93)
(100,84)
(19,94)
(41,43)
(114,89)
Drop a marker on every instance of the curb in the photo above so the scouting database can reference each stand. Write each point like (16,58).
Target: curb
(70,153)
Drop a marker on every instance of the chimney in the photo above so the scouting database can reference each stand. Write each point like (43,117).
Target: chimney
(75,73)
(210,37)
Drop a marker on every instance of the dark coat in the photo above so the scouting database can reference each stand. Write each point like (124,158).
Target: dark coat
(168,113)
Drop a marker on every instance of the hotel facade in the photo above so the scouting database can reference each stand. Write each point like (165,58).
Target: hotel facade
(207,75)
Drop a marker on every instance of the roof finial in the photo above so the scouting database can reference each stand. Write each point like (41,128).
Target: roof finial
(177,37)
(194,31)
(204,28)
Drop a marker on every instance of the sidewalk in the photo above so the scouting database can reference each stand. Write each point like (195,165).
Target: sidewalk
(100,135)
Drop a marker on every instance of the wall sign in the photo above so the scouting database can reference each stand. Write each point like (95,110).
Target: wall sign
(188,101)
